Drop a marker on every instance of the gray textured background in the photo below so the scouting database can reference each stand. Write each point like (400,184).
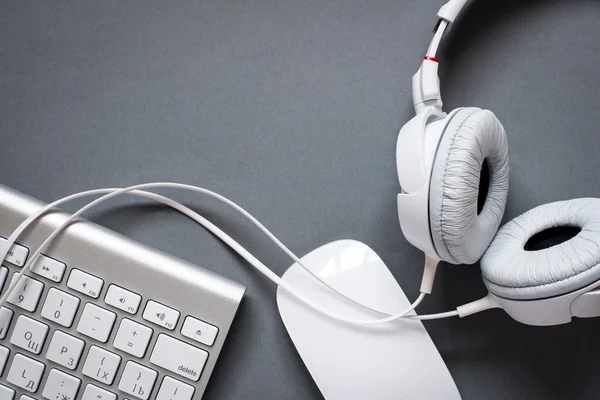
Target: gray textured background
(292,108)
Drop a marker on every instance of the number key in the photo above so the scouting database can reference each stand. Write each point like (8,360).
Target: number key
(60,307)
(29,334)
(27,293)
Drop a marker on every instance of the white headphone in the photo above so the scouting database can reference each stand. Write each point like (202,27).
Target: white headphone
(453,173)
(442,161)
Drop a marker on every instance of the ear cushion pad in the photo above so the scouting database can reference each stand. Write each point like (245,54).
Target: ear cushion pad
(511,271)
(459,233)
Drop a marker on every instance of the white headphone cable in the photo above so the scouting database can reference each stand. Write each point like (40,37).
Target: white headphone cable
(232,243)
(219,233)
(199,219)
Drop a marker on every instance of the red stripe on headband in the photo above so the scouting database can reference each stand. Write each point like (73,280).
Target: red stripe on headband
(432,59)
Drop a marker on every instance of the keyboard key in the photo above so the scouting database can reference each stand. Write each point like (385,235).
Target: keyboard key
(29,334)
(17,254)
(25,397)
(101,365)
(60,307)
(6,393)
(26,373)
(137,380)
(122,299)
(65,350)
(3,275)
(27,293)
(160,315)
(6,315)
(61,386)
(96,322)
(199,331)
(85,283)
(49,268)
(172,389)
(93,392)
(4,353)
(133,338)
(178,357)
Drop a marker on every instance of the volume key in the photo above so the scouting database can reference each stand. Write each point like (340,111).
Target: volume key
(122,299)
(161,315)
(85,283)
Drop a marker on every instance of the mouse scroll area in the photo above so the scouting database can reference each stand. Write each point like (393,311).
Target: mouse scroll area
(391,361)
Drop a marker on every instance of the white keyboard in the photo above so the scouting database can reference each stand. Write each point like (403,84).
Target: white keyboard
(101,317)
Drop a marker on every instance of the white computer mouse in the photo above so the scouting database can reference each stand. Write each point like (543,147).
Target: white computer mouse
(394,361)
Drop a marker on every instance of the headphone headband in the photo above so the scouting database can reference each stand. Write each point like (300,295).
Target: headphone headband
(449,11)
(426,83)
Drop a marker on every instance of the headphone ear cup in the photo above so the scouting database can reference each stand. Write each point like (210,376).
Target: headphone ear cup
(511,269)
(469,185)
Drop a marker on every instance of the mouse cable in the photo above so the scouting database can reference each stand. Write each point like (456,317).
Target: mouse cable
(208,225)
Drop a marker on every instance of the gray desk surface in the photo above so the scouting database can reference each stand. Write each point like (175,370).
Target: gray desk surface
(292,108)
